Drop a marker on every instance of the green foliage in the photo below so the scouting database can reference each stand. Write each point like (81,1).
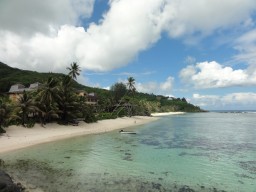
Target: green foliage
(88,113)
(90,118)
(74,70)
(103,116)
(57,99)
(30,123)
(10,76)
(5,111)
(5,114)
(67,100)
(131,85)
(118,91)
(24,108)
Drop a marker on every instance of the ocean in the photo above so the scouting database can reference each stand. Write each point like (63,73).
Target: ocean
(201,152)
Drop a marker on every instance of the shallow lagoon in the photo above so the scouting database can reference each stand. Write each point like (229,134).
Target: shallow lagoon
(191,152)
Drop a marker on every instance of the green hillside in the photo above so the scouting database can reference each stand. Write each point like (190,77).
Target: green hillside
(10,76)
(156,103)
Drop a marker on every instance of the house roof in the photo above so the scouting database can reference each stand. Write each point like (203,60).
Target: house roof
(19,88)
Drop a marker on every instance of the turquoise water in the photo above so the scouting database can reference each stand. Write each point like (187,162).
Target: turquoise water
(191,152)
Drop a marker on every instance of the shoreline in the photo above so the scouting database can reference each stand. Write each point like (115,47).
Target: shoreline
(166,114)
(18,137)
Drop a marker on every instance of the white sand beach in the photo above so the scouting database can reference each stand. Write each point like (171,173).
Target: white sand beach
(17,137)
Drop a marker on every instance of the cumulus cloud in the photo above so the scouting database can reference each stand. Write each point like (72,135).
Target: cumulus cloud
(163,88)
(205,100)
(243,100)
(125,30)
(214,75)
(41,52)
(48,35)
(182,17)
(27,17)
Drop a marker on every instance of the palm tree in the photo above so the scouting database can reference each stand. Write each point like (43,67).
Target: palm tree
(131,85)
(46,100)
(131,90)
(67,101)
(74,70)
(25,106)
(48,91)
(46,112)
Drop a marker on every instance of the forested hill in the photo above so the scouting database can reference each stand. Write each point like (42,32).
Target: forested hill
(10,76)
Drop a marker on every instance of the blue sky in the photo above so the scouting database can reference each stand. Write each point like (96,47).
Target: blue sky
(203,50)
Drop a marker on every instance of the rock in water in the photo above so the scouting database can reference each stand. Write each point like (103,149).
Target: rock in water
(6,183)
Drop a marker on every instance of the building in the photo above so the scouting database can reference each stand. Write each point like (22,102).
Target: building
(90,98)
(16,91)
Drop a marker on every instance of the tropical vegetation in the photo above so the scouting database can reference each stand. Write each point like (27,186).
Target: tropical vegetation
(57,100)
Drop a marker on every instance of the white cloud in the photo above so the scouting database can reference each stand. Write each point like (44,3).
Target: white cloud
(214,75)
(41,52)
(45,35)
(205,100)
(27,17)
(163,88)
(125,30)
(243,100)
(107,88)
(167,85)
(246,47)
(182,17)
(240,98)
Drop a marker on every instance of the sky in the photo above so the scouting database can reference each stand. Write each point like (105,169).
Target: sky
(203,50)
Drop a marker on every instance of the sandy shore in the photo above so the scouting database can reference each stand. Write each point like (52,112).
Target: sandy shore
(167,113)
(17,137)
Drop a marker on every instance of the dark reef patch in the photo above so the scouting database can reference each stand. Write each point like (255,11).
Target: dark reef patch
(249,166)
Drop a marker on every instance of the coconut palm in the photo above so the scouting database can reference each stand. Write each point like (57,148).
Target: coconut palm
(131,85)
(67,101)
(131,90)
(25,106)
(47,112)
(46,100)
(48,91)
(74,70)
